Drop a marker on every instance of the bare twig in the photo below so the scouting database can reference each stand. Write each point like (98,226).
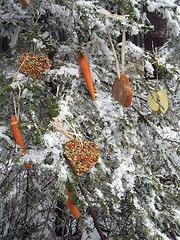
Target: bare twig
(91,209)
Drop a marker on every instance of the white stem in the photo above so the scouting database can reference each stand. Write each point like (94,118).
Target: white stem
(115,57)
(18,107)
(15,107)
(123,49)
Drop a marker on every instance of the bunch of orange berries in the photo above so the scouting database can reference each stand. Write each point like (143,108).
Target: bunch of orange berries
(32,65)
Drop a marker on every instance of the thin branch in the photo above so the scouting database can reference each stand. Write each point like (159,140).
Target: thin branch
(91,209)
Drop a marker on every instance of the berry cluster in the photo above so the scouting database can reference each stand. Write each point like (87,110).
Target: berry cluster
(32,65)
(81,155)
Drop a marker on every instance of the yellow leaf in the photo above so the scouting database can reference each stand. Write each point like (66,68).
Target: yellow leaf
(163,99)
(152,101)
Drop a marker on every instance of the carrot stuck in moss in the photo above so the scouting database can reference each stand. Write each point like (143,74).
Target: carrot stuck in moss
(27,165)
(72,207)
(16,133)
(84,66)
(25,3)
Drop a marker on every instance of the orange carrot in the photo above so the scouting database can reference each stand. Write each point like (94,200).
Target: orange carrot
(84,66)
(73,208)
(16,133)
(27,165)
(25,3)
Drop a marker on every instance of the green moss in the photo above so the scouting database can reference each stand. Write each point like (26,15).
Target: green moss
(3,98)
(72,189)
(2,161)
(53,110)
(104,206)
(37,139)
(157,237)
(16,160)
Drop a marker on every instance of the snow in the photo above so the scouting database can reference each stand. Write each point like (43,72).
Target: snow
(107,107)
(167,133)
(99,193)
(51,139)
(149,68)
(165,7)
(123,173)
(3,134)
(39,44)
(153,230)
(134,30)
(94,235)
(134,50)
(85,3)
(68,69)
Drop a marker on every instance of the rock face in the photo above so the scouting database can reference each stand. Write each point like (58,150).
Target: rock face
(129,183)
